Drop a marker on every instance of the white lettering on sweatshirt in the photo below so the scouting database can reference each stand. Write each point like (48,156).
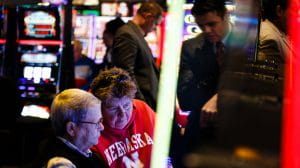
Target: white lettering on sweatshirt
(121,148)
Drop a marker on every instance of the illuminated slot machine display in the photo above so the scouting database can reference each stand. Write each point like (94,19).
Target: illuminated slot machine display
(39,50)
(84,17)
(115,9)
(82,24)
(87,18)
(109,11)
(92,40)
(190,28)
(86,2)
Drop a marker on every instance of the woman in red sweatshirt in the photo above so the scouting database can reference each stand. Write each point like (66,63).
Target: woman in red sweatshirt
(129,123)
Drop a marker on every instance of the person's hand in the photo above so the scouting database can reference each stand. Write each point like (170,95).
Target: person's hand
(209,111)
(60,162)
(139,164)
(133,162)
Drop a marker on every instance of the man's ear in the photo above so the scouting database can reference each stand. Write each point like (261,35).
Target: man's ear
(71,128)
(147,15)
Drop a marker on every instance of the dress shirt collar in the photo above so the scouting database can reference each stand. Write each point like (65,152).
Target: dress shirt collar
(226,37)
(87,154)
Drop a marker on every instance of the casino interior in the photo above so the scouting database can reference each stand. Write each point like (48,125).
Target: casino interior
(258,100)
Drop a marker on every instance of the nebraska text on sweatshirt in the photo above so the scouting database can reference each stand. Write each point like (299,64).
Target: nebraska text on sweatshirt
(122,147)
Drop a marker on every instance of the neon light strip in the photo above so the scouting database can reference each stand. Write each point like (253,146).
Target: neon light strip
(167,84)
(291,116)
(2,41)
(41,42)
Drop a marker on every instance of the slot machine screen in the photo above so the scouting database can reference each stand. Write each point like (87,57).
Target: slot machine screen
(86,2)
(114,9)
(38,68)
(39,24)
(55,2)
(28,72)
(190,28)
(36,74)
(34,110)
(83,23)
(39,58)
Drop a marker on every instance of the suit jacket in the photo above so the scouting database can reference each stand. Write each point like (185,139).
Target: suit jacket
(198,73)
(132,53)
(55,147)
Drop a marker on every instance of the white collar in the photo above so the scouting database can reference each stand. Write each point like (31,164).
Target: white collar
(225,39)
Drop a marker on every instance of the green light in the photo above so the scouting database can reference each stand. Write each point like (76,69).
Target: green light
(167,84)
(91,12)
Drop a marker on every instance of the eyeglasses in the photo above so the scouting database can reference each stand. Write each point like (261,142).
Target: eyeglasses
(98,124)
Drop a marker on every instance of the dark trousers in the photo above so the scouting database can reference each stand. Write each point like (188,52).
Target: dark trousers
(196,136)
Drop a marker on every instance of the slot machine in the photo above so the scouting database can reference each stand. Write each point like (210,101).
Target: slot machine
(88,18)
(84,19)
(39,54)
(109,11)
(250,95)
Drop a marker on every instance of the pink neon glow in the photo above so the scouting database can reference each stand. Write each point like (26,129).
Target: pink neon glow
(2,41)
(291,115)
(161,37)
(41,42)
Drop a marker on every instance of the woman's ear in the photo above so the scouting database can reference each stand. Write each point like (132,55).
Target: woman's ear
(71,128)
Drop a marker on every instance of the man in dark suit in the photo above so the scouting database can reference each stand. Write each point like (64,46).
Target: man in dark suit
(132,53)
(201,61)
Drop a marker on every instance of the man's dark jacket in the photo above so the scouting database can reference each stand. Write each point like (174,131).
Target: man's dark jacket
(132,53)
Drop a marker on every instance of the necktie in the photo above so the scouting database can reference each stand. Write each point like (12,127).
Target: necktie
(220,53)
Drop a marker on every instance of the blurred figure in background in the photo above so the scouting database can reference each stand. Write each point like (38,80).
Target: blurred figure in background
(77,122)
(273,41)
(85,68)
(109,33)
(132,53)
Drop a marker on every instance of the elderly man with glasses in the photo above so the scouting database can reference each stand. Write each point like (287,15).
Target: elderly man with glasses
(77,122)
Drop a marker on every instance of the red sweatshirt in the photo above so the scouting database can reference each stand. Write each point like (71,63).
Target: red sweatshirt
(116,146)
